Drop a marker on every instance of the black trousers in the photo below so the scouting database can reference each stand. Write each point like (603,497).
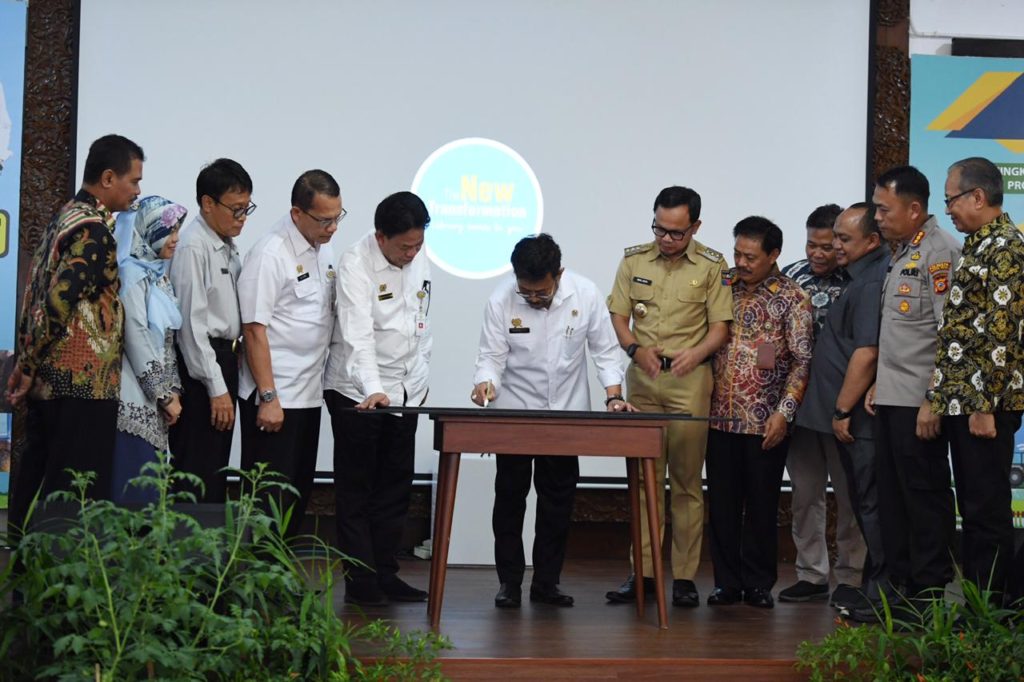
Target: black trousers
(291,452)
(64,433)
(198,448)
(373,469)
(555,479)
(744,483)
(858,460)
(982,470)
(915,501)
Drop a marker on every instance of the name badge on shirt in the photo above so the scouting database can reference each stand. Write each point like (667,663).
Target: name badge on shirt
(385,297)
(303,276)
(517,327)
(642,280)
(225,271)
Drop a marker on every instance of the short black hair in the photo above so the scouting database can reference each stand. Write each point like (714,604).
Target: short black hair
(535,257)
(823,217)
(400,212)
(220,177)
(762,229)
(977,172)
(907,182)
(673,196)
(311,183)
(110,152)
(867,224)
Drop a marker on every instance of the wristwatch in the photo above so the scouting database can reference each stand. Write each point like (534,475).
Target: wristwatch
(631,349)
(839,414)
(609,399)
(268,396)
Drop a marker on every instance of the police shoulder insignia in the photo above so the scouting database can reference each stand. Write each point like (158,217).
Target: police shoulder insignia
(639,248)
(710,254)
(940,282)
(728,276)
(936,267)
(917,238)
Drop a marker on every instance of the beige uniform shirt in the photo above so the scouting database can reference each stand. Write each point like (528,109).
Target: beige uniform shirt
(672,302)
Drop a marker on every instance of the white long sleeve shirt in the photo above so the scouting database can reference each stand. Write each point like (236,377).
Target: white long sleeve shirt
(536,358)
(382,339)
(287,285)
(204,272)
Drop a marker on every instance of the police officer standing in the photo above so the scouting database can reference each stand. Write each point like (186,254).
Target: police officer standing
(675,291)
(915,499)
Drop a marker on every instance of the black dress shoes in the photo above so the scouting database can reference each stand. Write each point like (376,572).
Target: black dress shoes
(364,594)
(397,589)
(684,593)
(759,597)
(509,596)
(626,592)
(724,596)
(549,594)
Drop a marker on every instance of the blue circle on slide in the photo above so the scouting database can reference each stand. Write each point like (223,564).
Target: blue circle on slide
(483,198)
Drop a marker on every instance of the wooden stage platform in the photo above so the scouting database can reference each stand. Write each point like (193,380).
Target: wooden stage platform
(595,640)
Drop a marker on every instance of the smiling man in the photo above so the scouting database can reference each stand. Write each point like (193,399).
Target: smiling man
(72,331)
(379,357)
(813,458)
(760,378)
(287,299)
(978,385)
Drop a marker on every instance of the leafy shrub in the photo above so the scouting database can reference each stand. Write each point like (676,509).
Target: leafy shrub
(122,594)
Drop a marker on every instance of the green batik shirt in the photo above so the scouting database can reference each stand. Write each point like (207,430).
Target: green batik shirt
(979,365)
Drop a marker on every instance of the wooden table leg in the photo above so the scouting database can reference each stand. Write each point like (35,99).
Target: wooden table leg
(651,490)
(633,485)
(448,478)
(442,465)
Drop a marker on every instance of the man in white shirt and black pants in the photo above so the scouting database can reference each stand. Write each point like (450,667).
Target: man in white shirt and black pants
(537,328)
(379,358)
(287,296)
(204,273)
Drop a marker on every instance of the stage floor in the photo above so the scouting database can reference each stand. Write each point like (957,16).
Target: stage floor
(597,640)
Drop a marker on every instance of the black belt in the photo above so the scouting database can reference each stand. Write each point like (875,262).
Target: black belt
(666,363)
(228,345)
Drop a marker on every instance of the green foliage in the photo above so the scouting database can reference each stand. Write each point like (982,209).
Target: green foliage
(149,594)
(931,640)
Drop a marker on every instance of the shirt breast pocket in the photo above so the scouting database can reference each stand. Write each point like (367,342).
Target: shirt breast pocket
(307,289)
(639,291)
(693,296)
(906,300)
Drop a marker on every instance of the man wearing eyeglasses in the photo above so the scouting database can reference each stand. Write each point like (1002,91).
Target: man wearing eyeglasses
(204,273)
(915,500)
(978,385)
(679,298)
(536,331)
(379,357)
(286,295)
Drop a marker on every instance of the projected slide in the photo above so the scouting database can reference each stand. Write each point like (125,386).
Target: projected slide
(483,198)
(508,119)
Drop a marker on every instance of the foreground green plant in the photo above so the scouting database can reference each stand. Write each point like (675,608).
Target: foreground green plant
(120,594)
(938,640)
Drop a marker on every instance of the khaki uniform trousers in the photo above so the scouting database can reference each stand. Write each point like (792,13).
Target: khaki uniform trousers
(683,458)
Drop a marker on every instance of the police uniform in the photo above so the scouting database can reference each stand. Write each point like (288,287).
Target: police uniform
(672,303)
(913,476)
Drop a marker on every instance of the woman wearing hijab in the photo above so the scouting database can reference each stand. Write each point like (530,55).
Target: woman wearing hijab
(146,238)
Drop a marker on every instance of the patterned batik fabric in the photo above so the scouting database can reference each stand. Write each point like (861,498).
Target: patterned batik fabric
(71,328)
(979,365)
(775,315)
(823,291)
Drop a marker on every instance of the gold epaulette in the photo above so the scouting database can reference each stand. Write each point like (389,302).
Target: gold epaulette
(710,254)
(639,248)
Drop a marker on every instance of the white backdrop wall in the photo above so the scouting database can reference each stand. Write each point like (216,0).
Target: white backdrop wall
(760,106)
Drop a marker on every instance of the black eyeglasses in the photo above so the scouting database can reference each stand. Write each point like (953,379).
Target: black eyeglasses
(674,235)
(327,222)
(949,201)
(539,295)
(237,213)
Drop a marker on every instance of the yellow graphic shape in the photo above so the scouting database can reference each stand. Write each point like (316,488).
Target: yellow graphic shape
(1015,146)
(975,98)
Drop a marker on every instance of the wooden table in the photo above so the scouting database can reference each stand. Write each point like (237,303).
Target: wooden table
(637,437)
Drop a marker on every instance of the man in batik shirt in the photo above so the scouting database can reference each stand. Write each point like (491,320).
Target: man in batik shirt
(760,378)
(978,384)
